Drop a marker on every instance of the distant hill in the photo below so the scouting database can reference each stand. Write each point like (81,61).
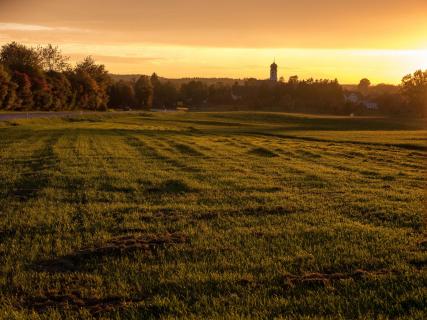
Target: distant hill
(180,81)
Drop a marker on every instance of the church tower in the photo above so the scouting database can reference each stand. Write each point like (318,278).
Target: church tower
(273,72)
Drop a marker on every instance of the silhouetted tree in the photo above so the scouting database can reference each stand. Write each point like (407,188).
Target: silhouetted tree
(169,95)
(96,71)
(5,80)
(143,92)
(121,94)
(42,79)
(94,82)
(24,96)
(158,100)
(41,91)
(220,94)
(414,90)
(363,86)
(17,57)
(87,94)
(194,92)
(60,90)
(293,80)
(51,59)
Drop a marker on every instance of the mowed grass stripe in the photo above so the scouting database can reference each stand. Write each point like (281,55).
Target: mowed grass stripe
(183,216)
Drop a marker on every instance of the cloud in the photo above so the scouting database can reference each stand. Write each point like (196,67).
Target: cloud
(117,59)
(23,27)
(6,26)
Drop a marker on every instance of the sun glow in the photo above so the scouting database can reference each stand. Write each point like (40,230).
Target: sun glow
(348,65)
(237,39)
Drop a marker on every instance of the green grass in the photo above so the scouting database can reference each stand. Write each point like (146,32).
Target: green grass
(213,215)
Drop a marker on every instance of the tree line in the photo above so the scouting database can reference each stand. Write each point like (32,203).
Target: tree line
(42,78)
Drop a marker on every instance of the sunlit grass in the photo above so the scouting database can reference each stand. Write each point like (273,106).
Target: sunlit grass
(218,215)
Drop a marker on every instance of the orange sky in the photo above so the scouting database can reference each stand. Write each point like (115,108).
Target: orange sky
(379,39)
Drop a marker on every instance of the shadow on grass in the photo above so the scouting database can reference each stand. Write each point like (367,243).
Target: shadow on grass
(30,184)
(263,152)
(171,186)
(186,149)
(75,300)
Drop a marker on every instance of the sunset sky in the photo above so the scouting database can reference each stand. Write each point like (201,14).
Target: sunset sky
(379,39)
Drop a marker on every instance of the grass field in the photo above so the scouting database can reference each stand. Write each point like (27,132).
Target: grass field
(213,215)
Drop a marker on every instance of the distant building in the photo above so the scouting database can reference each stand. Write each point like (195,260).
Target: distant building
(370,105)
(273,72)
(357,98)
(352,97)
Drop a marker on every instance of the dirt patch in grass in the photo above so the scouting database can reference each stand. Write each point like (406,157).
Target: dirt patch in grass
(247,211)
(315,279)
(117,246)
(75,300)
(262,211)
(263,152)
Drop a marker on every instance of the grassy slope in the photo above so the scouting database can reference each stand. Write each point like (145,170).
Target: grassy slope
(225,215)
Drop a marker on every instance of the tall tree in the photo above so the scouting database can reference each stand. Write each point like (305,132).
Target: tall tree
(42,95)
(86,91)
(4,86)
(96,92)
(18,57)
(61,90)
(121,94)
(158,95)
(364,85)
(24,94)
(52,59)
(96,71)
(144,92)
(414,90)
(194,92)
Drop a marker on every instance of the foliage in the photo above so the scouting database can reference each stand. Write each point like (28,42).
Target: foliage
(414,90)
(24,94)
(194,93)
(96,71)
(42,95)
(121,94)
(165,94)
(220,94)
(18,57)
(87,92)
(143,92)
(41,79)
(364,85)
(61,90)
(4,86)
(97,86)
(52,59)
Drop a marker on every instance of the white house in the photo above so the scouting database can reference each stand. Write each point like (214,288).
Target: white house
(355,97)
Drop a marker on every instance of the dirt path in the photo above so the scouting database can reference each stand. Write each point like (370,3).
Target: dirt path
(35,114)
